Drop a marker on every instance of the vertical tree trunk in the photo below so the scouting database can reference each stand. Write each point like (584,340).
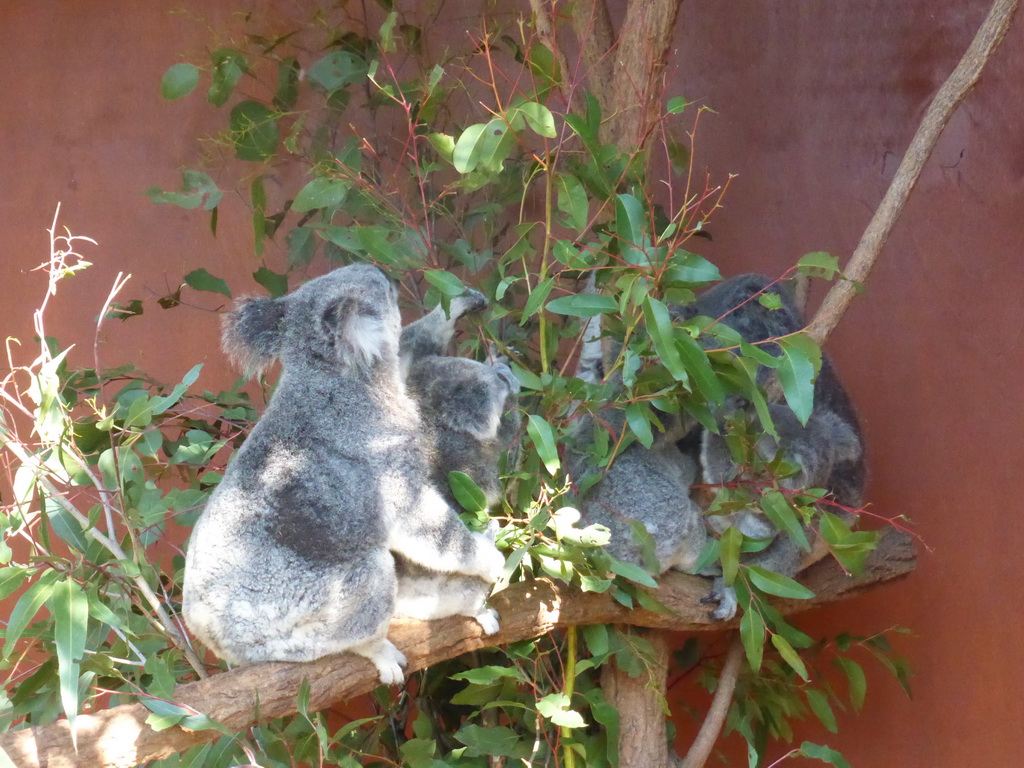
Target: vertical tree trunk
(640,702)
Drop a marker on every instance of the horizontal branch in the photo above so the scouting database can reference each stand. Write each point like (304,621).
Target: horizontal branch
(119,737)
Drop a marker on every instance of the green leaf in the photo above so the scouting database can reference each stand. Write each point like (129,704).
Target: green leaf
(466,492)
(201,280)
(801,361)
(572,200)
(583,305)
(337,69)
(819,264)
(857,682)
(446,282)
(26,608)
(536,299)
(676,105)
(596,638)
(498,740)
(276,285)
(823,753)
(777,508)
(487,675)
(301,243)
(543,437)
(161,404)
(321,192)
(659,327)
(697,365)
(538,117)
(483,145)
(630,227)
(69,607)
(287,94)
(228,66)
(196,189)
(637,417)
(556,708)
(729,553)
(821,709)
(179,80)
(632,572)
(790,656)
(752,635)
(254,131)
(773,583)
(688,269)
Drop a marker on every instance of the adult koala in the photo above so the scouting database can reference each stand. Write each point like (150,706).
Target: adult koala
(466,407)
(292,558)
(647,485)
(827,451)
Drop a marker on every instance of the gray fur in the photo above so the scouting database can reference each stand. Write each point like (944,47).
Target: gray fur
(648,485)
(828,450)
(292,559)
(466,407)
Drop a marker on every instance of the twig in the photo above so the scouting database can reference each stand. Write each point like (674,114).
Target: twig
(720,703)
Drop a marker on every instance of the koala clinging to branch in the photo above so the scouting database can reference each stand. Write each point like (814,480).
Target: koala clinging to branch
(466,412)
(827,451)
(292,557)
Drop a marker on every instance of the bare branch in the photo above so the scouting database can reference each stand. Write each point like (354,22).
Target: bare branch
(715,718)
(119,737)
(949,96)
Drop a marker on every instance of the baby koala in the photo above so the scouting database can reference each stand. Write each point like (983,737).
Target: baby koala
(294,556)
(466,407)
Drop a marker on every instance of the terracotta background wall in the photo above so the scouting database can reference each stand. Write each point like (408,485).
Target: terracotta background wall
(816,102)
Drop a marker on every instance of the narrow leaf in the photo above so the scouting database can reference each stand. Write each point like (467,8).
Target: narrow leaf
(466,492)
(857,682)
(752,635)
(583,305)
(26,608)
(790,656)
(543,437)
(201,280)
(659,326)
(776,584)
(69,607)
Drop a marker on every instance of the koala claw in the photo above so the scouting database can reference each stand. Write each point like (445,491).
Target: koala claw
(726,599)
(387,659)
(488,621)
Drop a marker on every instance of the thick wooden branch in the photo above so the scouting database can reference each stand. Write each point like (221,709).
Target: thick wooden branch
(119,737)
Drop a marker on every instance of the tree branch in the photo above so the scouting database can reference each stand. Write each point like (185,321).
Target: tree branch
(949,96)
(119,737)
(720,703)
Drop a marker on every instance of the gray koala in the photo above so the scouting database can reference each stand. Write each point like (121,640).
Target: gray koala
(827,451)
(466,410)
(292,559)
(648,485)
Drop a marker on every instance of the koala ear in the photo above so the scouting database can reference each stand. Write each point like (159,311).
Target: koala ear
(361,336)
(252,332)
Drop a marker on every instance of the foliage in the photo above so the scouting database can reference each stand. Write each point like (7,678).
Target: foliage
(522,204)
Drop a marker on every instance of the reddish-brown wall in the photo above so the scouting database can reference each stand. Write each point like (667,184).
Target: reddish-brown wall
(815,102)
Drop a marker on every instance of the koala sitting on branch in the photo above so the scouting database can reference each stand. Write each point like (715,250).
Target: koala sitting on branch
(827,451)
(466,408)
(292,559)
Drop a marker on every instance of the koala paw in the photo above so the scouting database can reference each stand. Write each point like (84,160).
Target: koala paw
(490,562)
(386,658)
(726,599)
(488,621)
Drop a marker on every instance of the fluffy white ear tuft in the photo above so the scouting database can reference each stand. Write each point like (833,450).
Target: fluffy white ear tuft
(251,333)
(362,337)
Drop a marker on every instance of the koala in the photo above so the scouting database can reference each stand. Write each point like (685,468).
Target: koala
(827,451)
(293,557)
(648,485)
(466,411)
